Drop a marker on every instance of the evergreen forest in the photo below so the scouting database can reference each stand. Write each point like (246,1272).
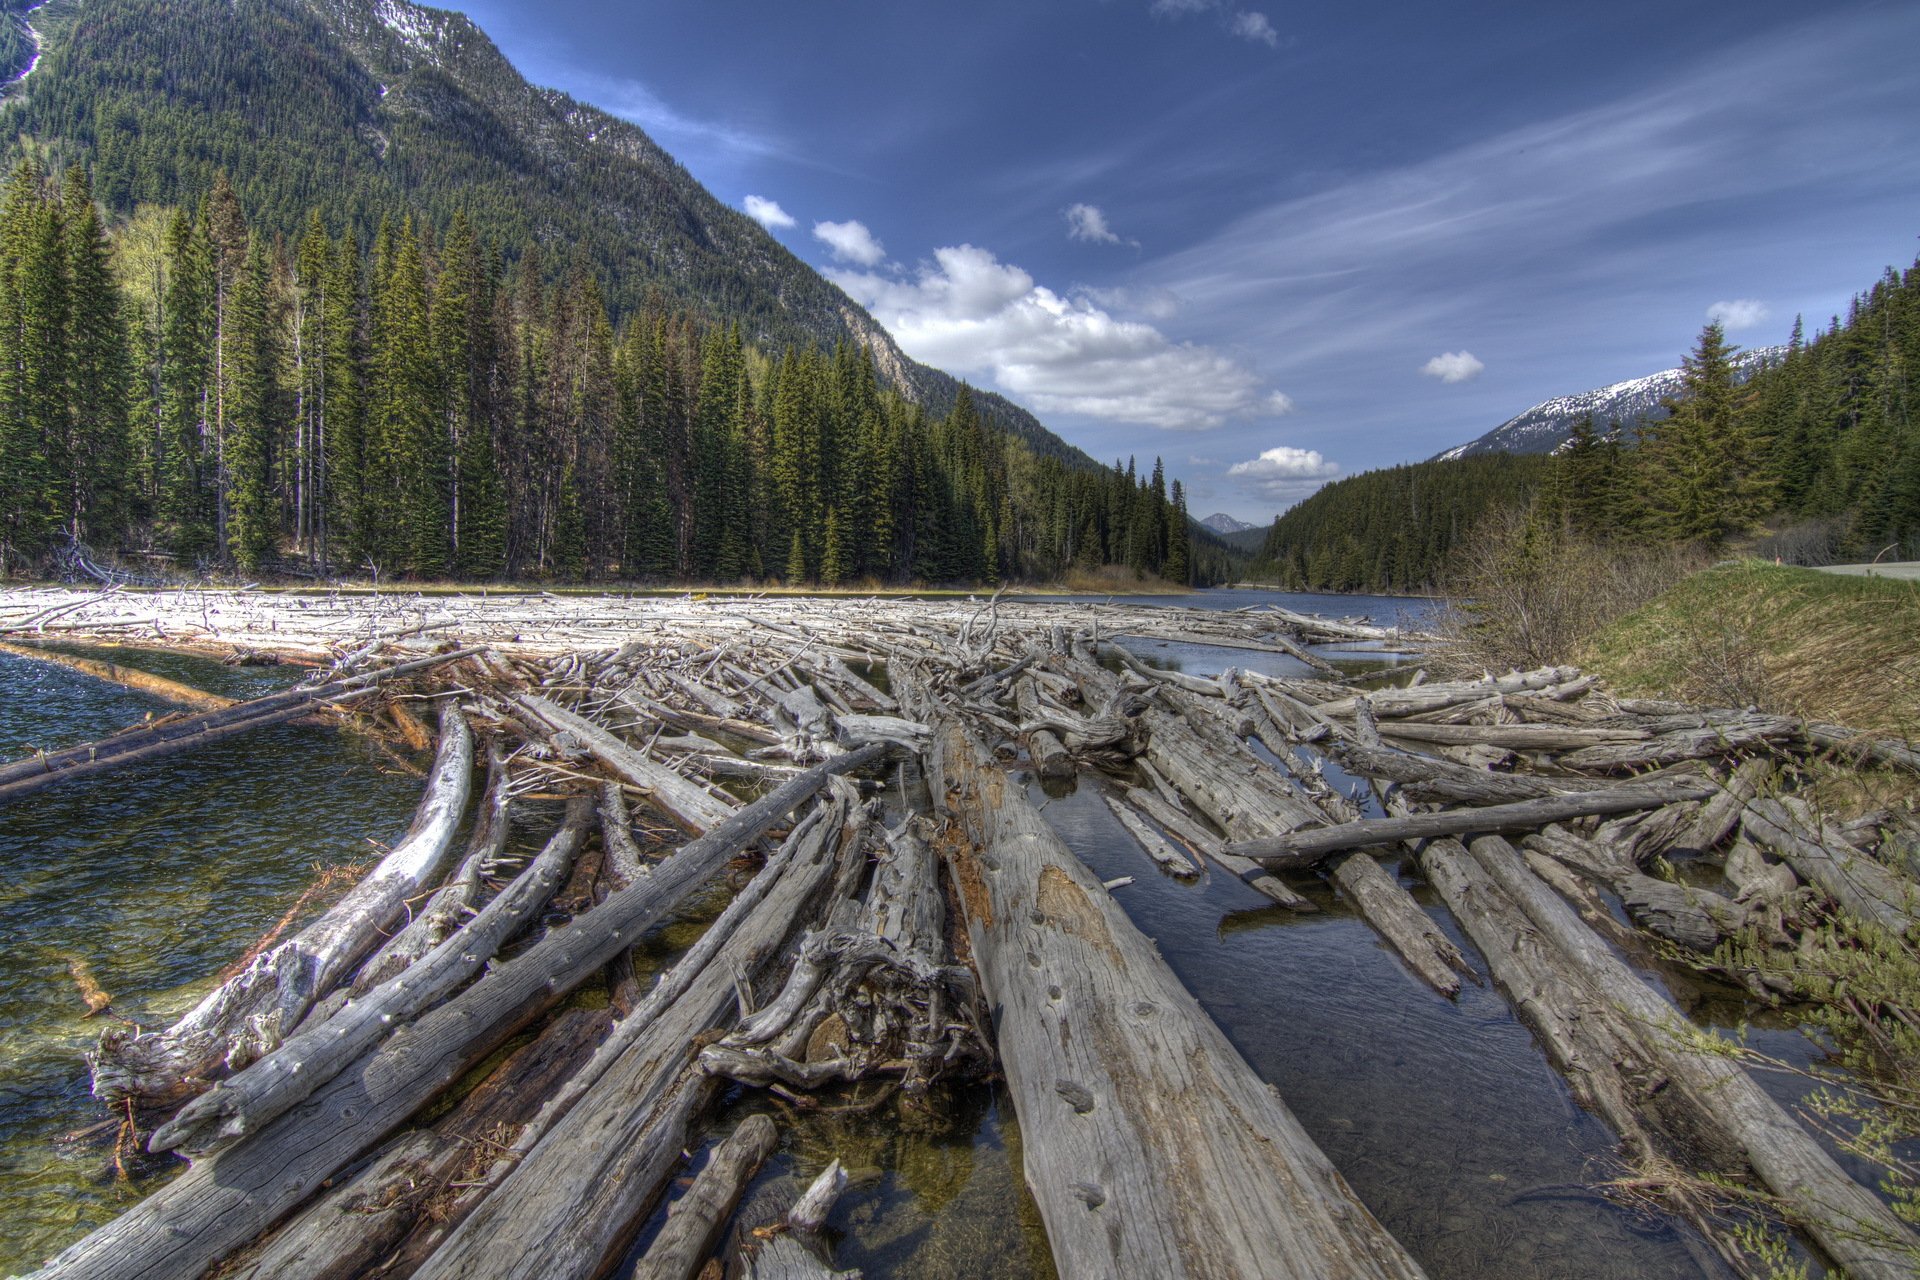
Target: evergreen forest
(1814,459)
(416,401)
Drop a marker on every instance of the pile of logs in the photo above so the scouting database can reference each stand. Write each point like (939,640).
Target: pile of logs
(908,916)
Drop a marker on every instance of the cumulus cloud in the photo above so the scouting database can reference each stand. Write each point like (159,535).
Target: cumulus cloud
(1741,313)
(1086,222)
(767,213)
(971,314)
(1453,366)
(850,241)
(1254,27)
(1284,473)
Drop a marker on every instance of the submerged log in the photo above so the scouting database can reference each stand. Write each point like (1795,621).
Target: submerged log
(223,1202)
(255,1009)
(24,777)
(1151,1147)
(173,691)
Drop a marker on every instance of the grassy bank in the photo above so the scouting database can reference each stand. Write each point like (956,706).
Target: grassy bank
(1793,641)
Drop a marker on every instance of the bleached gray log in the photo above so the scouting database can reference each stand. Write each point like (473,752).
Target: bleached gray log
(1155,844)
(221,1203)
(1854,1226)
(1513,737)
(695,1220)
(1150,1146)
(585,1188)
(1394,703)
(1304,848)
(1394,914)
(691,806)
(278,1081)
(357,1223)
(1893,752)
(1687,744)
(1862,886)
(858,730)
(251,1012)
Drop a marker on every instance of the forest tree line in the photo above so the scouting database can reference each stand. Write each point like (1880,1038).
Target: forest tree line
(1815,458)
(424,405)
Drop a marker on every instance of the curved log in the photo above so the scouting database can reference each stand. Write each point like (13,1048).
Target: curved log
(254,1010)
(278,1081)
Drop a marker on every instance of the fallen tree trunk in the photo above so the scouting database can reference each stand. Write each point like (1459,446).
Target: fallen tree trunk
(1708,1097)
(1862,886)
(695,1220)
(371,1223)
(1398,918)
(246,1101)
(691,806)
(253,1011)
(223,1202)
(1304,848)
(173,691)
(585,1187)
(1151,1147)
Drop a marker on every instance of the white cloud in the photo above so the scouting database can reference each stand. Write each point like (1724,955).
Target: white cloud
(1284,473)
(1453,366)
(767,213)
(1255,28)
(850,241)
(1741,313)
(1154,304)
(1279,404)
(1249,25)
(971,314)
(1086,222)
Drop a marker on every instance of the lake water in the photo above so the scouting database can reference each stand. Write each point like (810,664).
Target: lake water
(1443,1115)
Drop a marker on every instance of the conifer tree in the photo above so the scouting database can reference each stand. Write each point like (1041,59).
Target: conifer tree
(97,481)
(248,396)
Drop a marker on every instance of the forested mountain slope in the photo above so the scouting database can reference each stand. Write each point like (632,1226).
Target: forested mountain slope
(371,109)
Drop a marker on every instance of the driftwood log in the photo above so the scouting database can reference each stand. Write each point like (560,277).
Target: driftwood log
(1150,1146)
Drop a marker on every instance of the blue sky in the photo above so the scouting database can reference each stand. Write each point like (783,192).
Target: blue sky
(1278,244)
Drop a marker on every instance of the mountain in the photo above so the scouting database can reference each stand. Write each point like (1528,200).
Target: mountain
(1222,523)
(1546,426)
(371,108)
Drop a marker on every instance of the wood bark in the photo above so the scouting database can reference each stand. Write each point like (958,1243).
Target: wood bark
(695,1220)
(1151,1147)
(1304,848)
(281,1079)
(254,1010)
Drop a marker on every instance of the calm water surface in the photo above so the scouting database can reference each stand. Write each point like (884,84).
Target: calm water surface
(1443,1115)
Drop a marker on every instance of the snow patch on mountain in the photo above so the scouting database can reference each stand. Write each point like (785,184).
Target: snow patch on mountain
(1221,522)
(1546,426)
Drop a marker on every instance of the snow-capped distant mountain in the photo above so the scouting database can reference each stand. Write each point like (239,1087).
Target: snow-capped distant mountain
(1222,523)
(1546,426)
